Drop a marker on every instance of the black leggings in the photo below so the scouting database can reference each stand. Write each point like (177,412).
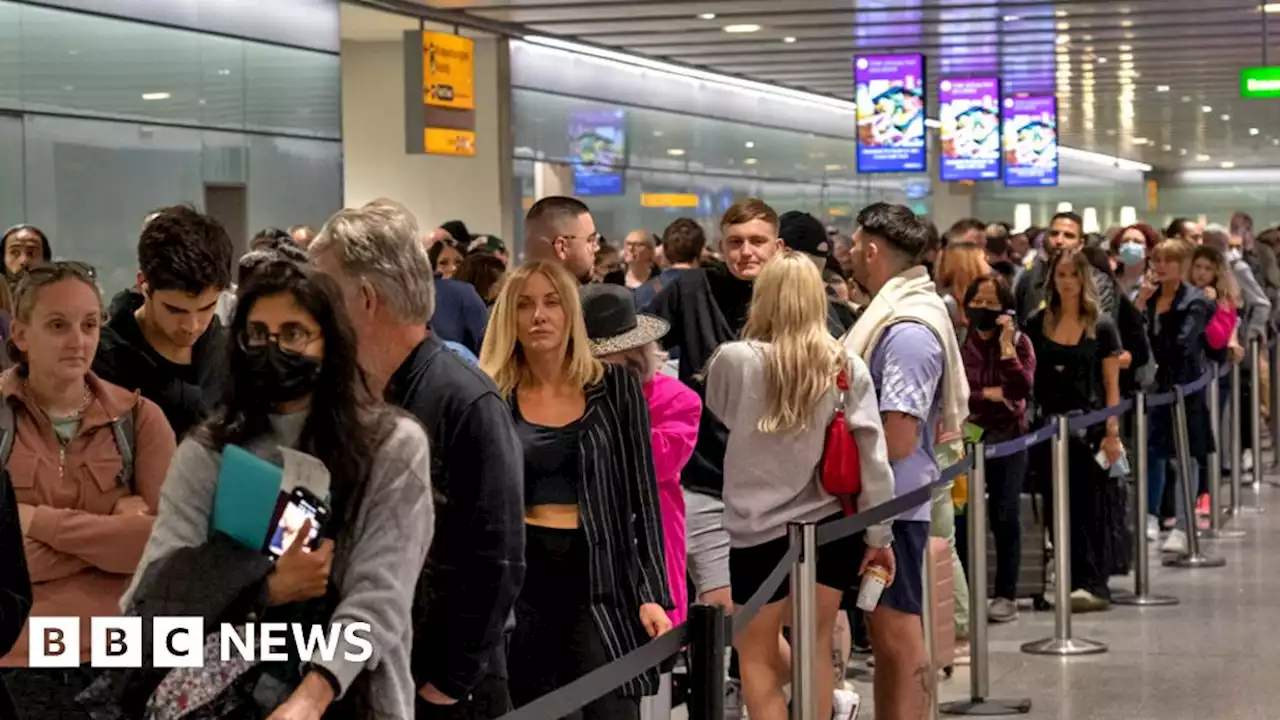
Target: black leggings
(556,639)
(1005,477)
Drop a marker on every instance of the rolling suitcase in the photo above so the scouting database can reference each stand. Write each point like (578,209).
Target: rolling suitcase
(944,605)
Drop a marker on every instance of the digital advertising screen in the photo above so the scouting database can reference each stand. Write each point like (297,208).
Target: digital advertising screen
(890,94)
(598,151)
(969,111)
(1030,141)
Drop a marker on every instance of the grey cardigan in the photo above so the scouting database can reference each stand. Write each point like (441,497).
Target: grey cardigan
(376,560)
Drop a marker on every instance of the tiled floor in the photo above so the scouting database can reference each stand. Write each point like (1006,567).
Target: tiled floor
(1216,655)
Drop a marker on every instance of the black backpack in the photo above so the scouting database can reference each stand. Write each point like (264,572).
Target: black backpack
(122,428)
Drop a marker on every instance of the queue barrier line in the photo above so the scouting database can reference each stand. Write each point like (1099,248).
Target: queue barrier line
(603,680)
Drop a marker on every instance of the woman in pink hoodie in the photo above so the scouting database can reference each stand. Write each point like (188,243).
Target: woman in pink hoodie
(620,336)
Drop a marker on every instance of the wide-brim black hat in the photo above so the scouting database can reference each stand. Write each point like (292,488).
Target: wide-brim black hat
(613,325)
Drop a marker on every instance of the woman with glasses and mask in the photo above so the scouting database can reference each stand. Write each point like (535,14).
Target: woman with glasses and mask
(86,460)
(296,384)
(1000,364)
(1078,358)
(595,585)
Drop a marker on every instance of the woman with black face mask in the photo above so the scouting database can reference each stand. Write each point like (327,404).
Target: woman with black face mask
(296,384)
(1000,364)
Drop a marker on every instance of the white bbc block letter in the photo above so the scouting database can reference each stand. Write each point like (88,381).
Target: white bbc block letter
(53,642)
(116,642)
(178,642)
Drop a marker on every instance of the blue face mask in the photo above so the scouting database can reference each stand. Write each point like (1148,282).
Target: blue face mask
(1133,253)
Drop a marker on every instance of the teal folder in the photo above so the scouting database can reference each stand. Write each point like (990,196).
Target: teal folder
(248,489)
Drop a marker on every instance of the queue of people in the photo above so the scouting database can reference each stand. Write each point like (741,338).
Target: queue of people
(534,471)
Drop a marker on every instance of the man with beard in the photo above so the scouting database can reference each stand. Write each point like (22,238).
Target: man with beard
(906,337)
(1066,232)
(562,229)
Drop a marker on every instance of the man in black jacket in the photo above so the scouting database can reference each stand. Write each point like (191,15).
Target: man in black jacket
(163,339)
(475,567)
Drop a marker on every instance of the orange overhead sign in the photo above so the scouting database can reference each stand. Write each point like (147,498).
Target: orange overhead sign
(669,200)
(448,71)
(439,141)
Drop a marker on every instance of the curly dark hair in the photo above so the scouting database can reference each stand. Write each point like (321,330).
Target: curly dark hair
(181,249)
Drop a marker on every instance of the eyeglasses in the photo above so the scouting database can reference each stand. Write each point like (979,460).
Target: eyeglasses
(58,269)
(292,336)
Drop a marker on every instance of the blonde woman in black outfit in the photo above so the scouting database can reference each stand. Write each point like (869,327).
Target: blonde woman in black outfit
(595,585)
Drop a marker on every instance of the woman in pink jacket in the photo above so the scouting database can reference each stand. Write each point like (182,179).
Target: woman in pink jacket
(620,336)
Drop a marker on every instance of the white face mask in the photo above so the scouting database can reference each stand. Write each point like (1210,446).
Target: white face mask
(1234,254)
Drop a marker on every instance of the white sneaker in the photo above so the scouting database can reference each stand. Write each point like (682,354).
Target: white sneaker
(733,708)
(845,705)
(1246,461)
(1176,543)
(1153,528)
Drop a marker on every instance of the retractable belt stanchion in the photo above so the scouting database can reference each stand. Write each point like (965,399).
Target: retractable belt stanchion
(1237,453)
(1274,354)
(804,620)
(706,662)
(1255,416)
(1193,557)
(979,667)
(1142,562)
(926,616)
(1216,531)
(1062,643)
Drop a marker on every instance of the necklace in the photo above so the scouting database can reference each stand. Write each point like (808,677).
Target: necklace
(84,404)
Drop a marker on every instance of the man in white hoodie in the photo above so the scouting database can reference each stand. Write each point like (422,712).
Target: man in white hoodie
(908,341)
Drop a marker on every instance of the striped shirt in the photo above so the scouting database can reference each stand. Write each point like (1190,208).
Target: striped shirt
(618,510)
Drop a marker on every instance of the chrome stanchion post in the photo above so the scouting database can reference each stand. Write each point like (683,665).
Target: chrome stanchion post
(1142,563)
(1255,415)
(1062,643)
(1216,531)
(1237,453)
(979,668)
(930,640)
(1193,557)
(1275,405)
(804,620)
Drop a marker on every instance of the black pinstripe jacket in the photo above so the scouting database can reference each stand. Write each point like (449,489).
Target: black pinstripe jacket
(618,510)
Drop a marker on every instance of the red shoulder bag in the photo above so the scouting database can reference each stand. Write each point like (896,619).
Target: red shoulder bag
(841,467)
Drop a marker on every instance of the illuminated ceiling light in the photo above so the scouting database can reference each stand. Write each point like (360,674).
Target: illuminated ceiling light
(1166,148)
(1127,23)
(1162,88)
(1128,36)
(1088,38)
(1102,61)
(749,144)
(1275,141)
(1186,98)
(1203,158)
(1126,48)
(1140,141)
(1206,108)
(750,161)
(1063,39)
(1064,26)
(1227,165)
(742,28)
(1225,117)
(156,96)
(707,16)
(1271,8)
(1060,13)
(658,133)
(1253,131)
(788,39)
(1182,151)
(1011,18)
(833,168)
(675,152)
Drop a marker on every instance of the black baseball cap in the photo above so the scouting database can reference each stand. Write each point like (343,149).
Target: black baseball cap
(802,232)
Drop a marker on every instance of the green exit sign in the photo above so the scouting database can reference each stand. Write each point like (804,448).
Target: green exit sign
(1260,82)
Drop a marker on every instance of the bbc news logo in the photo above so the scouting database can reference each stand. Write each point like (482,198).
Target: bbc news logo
(180,642)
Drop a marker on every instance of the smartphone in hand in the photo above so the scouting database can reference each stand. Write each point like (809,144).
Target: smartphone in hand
(293,510)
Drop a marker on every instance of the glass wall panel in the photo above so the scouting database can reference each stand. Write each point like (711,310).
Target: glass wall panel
(55,61)
(90,183)
(292,181)
(12,194)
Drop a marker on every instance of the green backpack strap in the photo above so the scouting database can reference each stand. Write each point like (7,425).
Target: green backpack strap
(124,429)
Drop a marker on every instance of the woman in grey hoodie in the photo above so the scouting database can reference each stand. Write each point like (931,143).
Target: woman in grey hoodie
(296,385)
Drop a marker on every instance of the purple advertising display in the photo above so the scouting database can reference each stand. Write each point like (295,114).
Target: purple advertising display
(969,110)
(891,102)
(1031,141)
(598,151)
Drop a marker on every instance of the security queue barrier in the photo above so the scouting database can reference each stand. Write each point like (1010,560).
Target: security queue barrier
(704,634)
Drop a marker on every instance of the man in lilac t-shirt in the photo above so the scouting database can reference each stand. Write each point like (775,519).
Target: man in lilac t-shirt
(907,363)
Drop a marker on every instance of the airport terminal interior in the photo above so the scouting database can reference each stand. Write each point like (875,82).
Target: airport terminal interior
(1139,122)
